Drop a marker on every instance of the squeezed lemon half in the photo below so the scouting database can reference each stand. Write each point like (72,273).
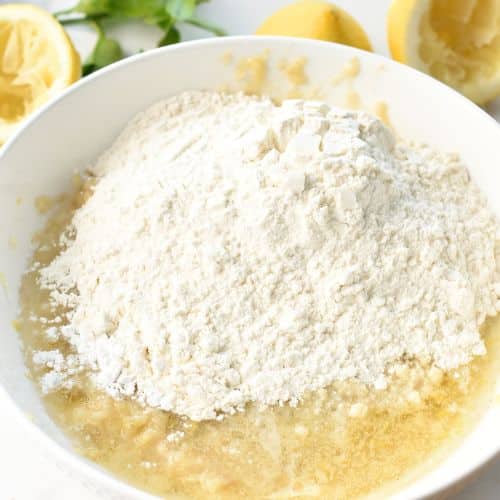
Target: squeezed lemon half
(316,19)
(37,61)
(455,41)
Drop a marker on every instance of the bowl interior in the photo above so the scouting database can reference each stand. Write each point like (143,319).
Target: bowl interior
(68,134)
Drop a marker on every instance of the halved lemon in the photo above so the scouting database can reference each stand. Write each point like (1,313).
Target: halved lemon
(455,41)
(316,19)
(37,61)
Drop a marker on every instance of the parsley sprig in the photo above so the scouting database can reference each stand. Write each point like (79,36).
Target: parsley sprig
(165,14)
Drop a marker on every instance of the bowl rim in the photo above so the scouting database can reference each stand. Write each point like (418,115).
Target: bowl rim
(91,470)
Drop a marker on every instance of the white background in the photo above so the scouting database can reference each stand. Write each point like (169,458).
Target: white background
(26,473)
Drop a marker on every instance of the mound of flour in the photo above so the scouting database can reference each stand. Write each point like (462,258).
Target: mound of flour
(236,251)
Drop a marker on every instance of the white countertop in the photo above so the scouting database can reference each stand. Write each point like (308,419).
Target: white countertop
(25,471)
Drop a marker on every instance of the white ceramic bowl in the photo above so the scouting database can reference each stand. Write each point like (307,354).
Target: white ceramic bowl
(72,130)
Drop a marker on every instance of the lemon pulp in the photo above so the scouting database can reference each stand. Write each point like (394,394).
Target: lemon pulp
(37,60)
(456,41)
(460,40)
(28,69)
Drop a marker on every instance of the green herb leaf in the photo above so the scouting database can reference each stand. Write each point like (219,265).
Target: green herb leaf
(92,7)
(162,13)
(166,23)
(148,10)
(106,51)
(171,37)
(180,9)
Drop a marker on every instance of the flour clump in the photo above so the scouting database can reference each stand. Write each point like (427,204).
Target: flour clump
(234,251)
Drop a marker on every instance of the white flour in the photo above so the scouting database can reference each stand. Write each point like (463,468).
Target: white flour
(234,251)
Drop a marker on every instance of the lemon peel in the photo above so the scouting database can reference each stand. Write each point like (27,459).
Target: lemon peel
(316,19)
